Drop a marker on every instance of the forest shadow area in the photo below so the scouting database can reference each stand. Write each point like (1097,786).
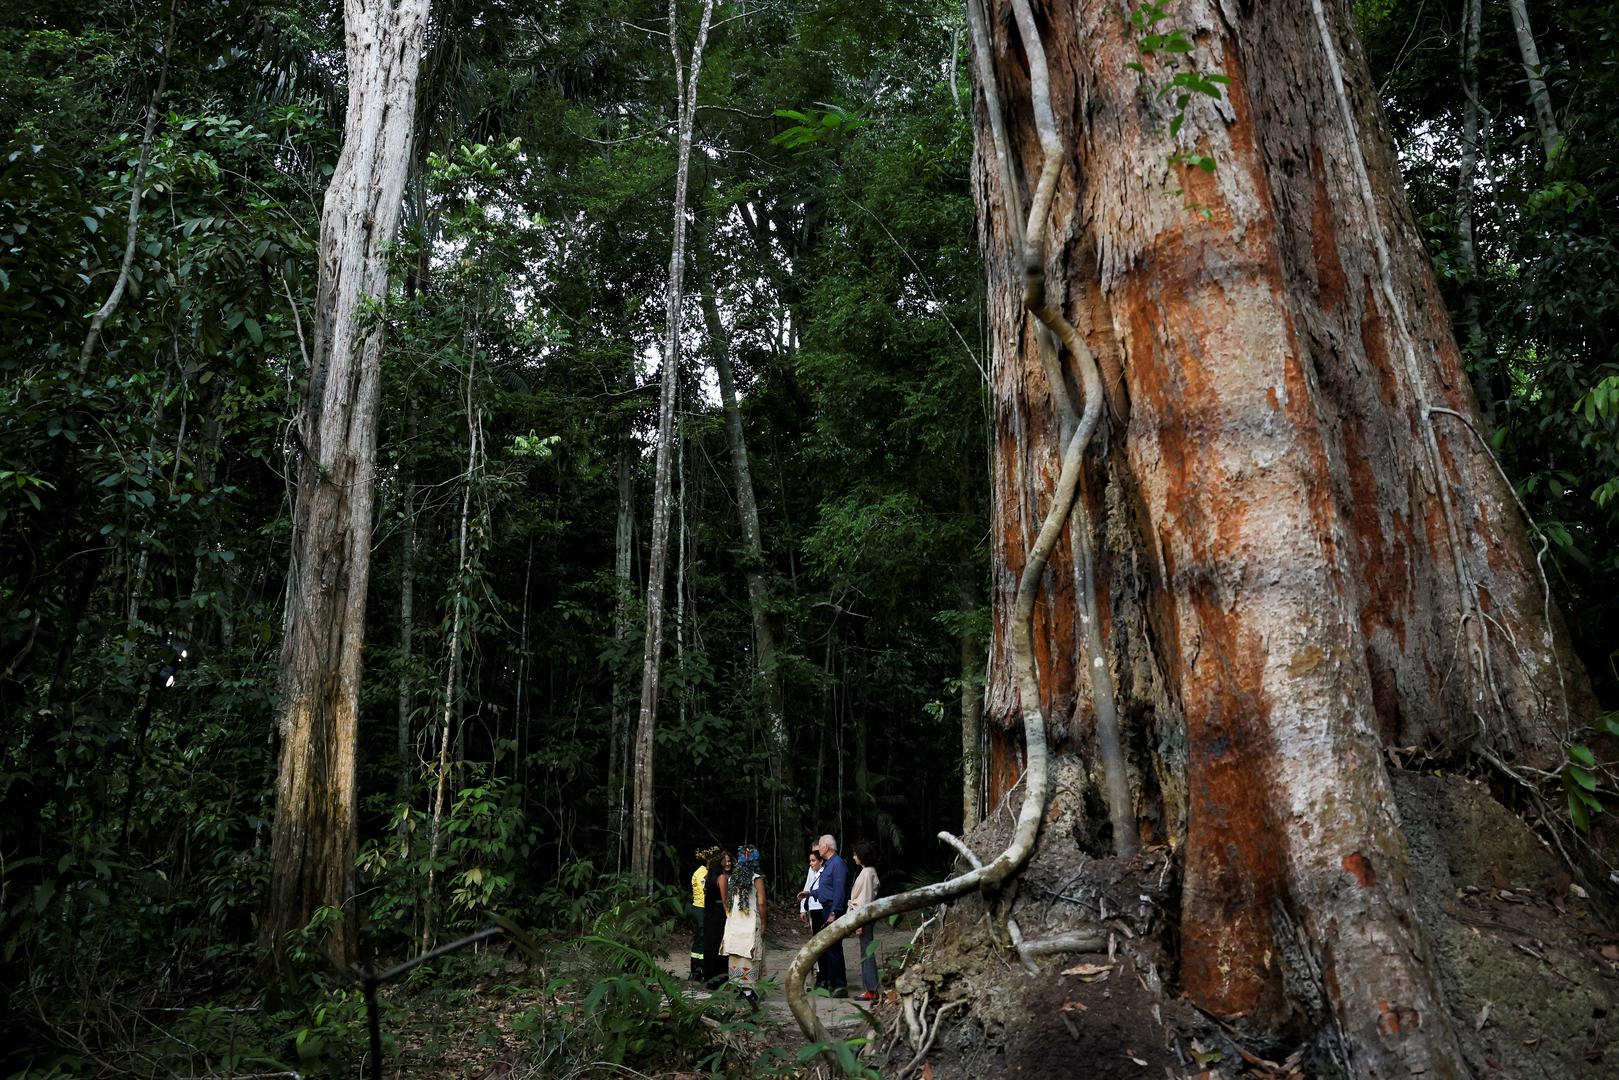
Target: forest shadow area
(602,1000)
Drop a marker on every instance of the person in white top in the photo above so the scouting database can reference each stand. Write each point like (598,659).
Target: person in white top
(863,893)
(810,909)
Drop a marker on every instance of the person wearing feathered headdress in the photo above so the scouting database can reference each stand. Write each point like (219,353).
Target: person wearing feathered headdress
(744,942)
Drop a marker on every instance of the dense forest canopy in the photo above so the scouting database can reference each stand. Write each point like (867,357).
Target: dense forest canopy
(839,584)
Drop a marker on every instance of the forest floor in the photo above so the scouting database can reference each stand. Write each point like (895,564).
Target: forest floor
(1529,962)
(486,1018)
(845,1018)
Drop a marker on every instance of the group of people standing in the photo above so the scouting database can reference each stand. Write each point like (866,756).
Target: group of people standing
(826,897)
(728,919)
(728,916)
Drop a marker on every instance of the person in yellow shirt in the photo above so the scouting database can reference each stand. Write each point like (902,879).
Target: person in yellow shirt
(699,881)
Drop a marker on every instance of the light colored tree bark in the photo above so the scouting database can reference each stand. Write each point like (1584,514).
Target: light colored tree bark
(314,839)
(686,81)
(778,737)
(1539,97)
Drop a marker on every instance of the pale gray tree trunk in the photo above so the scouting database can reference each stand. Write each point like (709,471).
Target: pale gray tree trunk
(1539,97)
(407,624)
(651,666)
(314,840)
(618,748)
(778,737)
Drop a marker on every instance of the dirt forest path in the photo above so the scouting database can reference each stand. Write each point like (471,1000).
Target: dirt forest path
(841,1017)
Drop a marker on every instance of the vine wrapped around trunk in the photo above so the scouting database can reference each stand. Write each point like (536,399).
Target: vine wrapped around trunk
(1307,556)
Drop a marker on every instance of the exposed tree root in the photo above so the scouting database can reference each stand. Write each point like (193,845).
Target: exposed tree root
(930,1033)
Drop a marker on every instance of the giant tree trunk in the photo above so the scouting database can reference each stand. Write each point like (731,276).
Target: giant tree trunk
(313,847)
(1308,553)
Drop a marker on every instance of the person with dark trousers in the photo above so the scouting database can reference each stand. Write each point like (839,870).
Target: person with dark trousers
(833,893)
(863,893)
(809,908)
(716,895)
(697,911)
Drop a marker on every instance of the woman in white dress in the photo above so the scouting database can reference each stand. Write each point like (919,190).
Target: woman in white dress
(744,944)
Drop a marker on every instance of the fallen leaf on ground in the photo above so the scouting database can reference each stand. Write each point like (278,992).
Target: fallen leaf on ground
(1073,1006)
(1088,971)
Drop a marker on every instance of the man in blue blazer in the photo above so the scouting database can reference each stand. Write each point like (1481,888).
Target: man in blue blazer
(833,893)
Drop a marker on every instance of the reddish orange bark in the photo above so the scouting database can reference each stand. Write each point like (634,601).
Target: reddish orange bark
(1298,554)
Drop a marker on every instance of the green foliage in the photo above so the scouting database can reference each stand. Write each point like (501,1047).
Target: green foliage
(333,1031)
(1582,775)
(486,839)
(813,128)
(1184,85)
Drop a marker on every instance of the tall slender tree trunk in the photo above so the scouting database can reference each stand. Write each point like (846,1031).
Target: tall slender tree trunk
(1472,332)
(1308,553)
(524,664)
(681,555)
(314,840)
(778,737)
(454,676)
(972,698)
(686,81)
(407,623)
(132,224)
(1540,99)
(618,755)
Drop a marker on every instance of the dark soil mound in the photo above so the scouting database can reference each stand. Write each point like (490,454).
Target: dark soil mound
(1529,972)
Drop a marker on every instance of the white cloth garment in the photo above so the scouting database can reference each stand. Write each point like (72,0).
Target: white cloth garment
(809,903)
